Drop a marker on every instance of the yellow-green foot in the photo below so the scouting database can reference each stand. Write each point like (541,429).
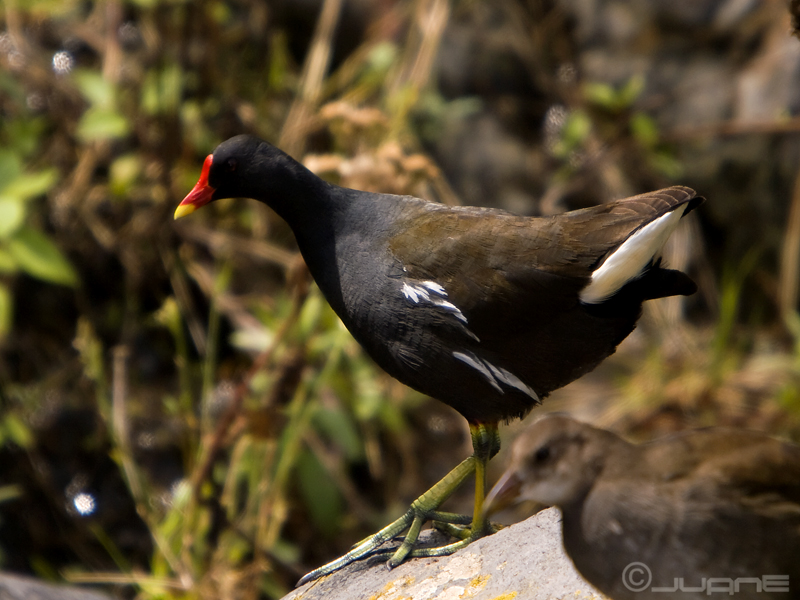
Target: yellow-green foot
(486,443)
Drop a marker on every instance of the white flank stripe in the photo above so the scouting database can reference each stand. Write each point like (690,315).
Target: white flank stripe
(512,380)
(452,308)
(479,365)
(422,292)
(435,288)
(495,375)
(414,293)
(630,259)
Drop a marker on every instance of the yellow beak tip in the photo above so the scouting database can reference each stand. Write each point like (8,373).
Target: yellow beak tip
(184,209)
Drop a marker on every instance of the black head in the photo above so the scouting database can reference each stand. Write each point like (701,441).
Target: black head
(241,167)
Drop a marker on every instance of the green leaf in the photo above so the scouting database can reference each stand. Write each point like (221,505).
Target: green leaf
(102,123)
(7,262)
(338,427)
(576,129)
(23,134)
(193,119)
(279,62)
(172,86)
(12,215)
(162,91)
(310,314)
(382,57)
(97,90)
(631,91)
(601,94)
(667,164)
(320,493)
(12,87)
(605,96)
(14,490)
(254,339)
(10,167)
(220,12)
(52,10)
(150,100)
(644,129)
(90,349)
(6,311)
(30,185)
(368,396)
(123,173)
(18,431)
(38,256)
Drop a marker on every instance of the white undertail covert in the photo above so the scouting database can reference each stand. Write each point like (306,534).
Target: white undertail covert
(628,261)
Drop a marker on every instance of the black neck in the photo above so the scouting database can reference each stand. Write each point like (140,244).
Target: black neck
(301,198)
(313,208)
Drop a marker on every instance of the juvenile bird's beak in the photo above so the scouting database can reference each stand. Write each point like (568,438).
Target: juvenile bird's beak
(200,195)
(505,493)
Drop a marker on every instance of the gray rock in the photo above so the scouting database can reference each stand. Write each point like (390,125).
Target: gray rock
(525,562)
(16,587)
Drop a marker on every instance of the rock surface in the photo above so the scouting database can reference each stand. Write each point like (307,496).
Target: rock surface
(15,587)
(523,562)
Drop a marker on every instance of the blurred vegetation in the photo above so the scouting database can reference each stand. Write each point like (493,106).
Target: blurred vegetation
(182,413)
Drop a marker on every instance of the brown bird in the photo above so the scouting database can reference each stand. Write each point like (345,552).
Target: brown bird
(712,510)
(481,309)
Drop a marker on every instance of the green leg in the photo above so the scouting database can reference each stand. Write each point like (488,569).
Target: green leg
(485,443)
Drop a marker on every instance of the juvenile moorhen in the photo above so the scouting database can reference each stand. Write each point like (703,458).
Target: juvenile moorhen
(484,310)
(679,517)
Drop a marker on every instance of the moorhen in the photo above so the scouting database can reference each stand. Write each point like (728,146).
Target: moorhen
(482,309)
(711,510)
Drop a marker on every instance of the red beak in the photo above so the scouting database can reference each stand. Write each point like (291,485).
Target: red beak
(201,193)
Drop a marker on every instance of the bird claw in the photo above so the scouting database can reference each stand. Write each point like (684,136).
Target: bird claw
(460,533)
(451,524)
(486,443)
(434,516)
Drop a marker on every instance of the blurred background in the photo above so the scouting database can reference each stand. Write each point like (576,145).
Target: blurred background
(182,415)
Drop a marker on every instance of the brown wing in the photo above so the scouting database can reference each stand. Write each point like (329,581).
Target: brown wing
(500,267)
(755,468)
(697,505)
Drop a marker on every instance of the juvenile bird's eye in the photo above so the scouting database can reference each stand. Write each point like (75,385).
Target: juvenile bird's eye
(231,164)
(542,454)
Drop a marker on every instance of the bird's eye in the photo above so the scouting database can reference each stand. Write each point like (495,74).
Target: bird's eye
(231,164)
(542,454)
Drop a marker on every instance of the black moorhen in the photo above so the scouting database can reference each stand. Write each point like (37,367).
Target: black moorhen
(680,517)
(481,309)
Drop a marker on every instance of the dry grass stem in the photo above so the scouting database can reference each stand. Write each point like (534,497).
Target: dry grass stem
(135,484)
(295,127)
(789,273)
